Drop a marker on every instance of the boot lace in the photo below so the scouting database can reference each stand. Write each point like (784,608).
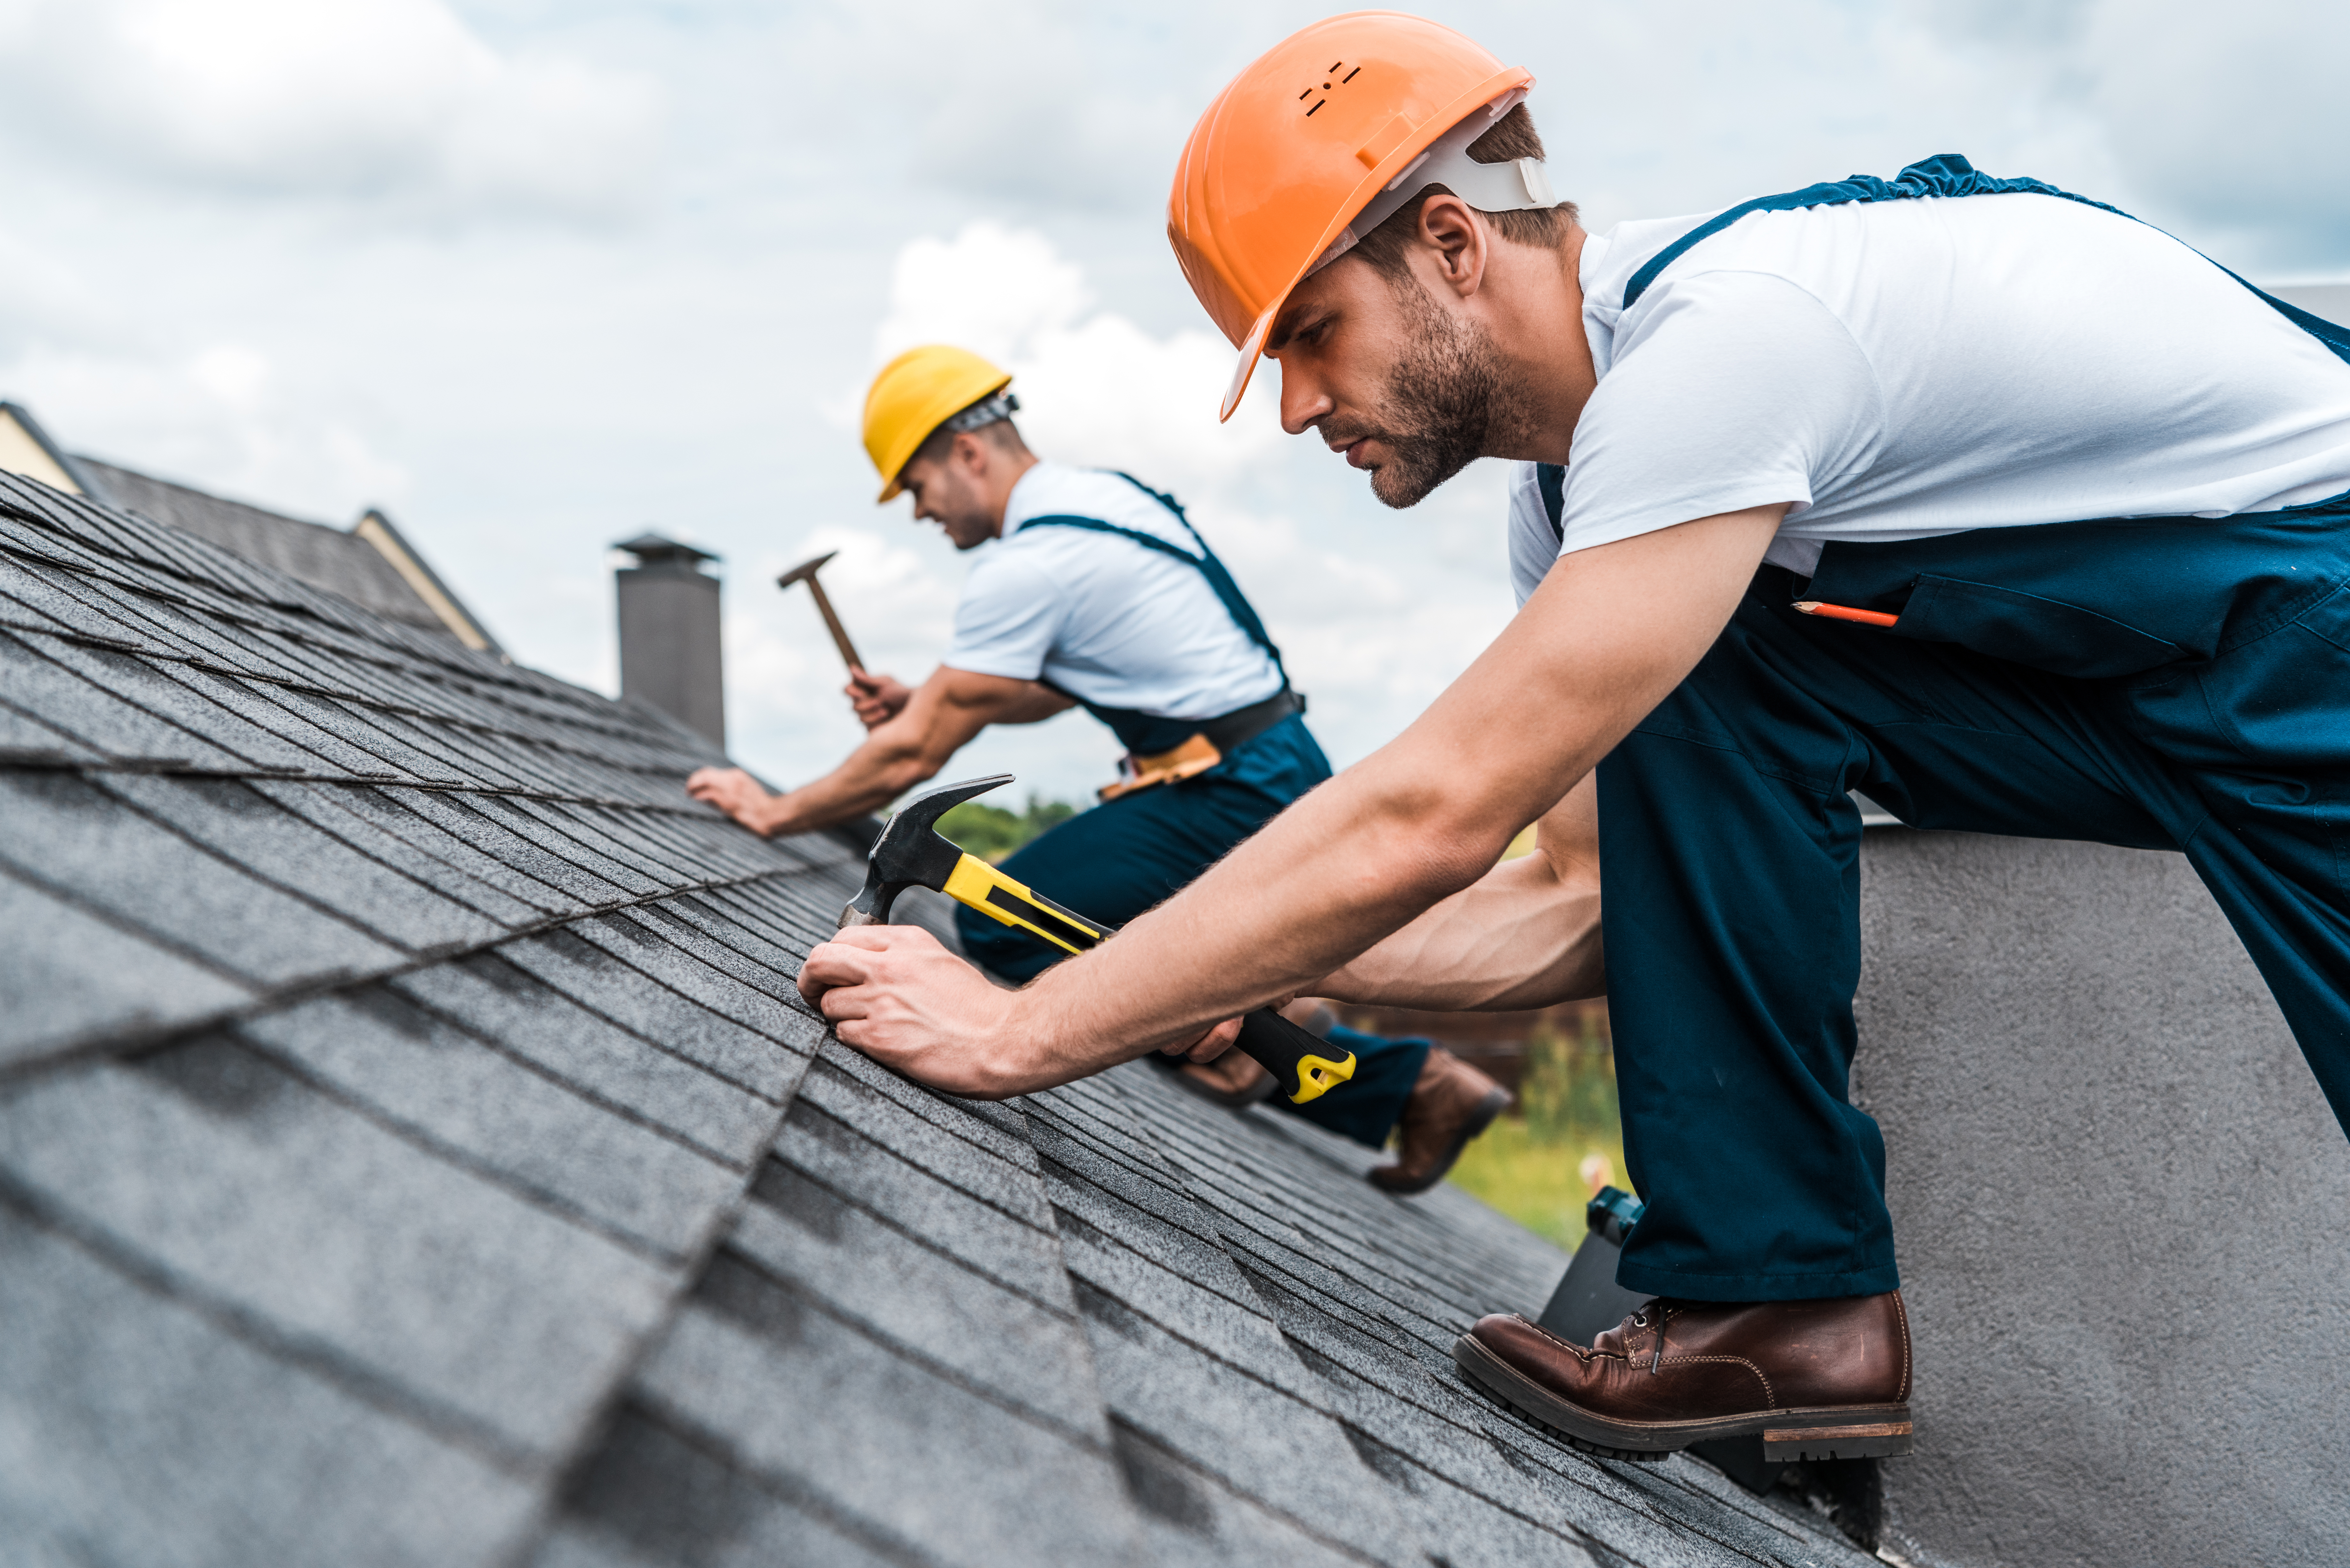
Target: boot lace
(1656,1312)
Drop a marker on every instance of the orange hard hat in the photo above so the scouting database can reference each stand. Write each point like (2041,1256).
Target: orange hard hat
(1320,131)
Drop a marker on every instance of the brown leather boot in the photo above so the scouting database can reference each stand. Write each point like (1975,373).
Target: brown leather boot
(1450,1104)
(1814,1379)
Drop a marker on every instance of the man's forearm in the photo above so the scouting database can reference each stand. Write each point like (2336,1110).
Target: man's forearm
(876,773)
(1526,934)
(1518,937)
(937,720)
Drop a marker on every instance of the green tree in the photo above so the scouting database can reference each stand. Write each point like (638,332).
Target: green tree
(990,832)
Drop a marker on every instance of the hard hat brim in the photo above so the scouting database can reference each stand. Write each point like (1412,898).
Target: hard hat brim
(1390,168)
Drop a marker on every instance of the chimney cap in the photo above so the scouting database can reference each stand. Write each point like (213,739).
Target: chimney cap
(653,550)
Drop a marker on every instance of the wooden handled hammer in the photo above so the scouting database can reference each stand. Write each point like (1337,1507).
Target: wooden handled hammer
(806,572)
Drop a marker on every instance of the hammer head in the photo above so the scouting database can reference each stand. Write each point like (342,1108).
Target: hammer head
(912,852)
(805,569)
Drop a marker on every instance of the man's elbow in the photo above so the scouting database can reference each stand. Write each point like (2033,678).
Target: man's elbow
(1432,848)
(903,770)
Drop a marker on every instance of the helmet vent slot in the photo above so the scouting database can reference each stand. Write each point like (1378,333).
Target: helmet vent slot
(1334,82)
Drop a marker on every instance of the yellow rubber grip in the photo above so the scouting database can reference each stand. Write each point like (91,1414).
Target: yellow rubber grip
(1000,898)
(1317,1076)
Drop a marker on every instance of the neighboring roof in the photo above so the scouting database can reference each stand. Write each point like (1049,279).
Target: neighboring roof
(414,1150)
(26,448)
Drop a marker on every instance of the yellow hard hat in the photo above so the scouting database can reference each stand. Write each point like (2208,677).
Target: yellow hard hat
(916,393)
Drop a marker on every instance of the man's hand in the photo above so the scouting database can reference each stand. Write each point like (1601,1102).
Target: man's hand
(1208,1046)
(894,993)
(932,723)
(877,699)
(736,794)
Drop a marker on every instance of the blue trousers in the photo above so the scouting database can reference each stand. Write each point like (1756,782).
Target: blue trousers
(1127,855)
(2174,684)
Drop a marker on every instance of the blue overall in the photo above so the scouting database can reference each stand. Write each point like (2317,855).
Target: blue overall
(1126,855)
(2161,683)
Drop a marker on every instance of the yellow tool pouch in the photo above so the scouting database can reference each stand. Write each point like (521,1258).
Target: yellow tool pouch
(1195,756)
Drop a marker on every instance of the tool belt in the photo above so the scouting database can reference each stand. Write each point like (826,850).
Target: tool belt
(1205,747)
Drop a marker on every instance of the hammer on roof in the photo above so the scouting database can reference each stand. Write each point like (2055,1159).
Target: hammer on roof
(913,853)
(806,572)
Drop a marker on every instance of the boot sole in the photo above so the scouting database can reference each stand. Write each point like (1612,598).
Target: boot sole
(1833,1432)
(1478,1119)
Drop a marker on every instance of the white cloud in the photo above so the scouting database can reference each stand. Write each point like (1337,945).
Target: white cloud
(219,417)
(2224,121)
(1090,382)
(385,100)
(1022,117)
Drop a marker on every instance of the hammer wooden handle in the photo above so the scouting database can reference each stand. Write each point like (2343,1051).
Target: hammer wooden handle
(832,624)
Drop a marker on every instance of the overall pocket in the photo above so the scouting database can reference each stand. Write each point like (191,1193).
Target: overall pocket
(2025,628)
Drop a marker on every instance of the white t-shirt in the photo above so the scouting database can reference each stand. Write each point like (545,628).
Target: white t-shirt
(1103,618)
(1900,369)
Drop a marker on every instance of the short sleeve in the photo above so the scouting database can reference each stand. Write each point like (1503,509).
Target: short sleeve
(1005,624)
(1533,547)
(1726,390)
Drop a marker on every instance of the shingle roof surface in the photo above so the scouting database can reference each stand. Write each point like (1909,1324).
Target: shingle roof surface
(329,558)
(413,1150)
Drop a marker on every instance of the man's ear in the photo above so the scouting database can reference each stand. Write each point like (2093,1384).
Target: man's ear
(1454,240)
(970,453)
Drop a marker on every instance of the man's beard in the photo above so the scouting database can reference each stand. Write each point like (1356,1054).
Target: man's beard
(1438,413)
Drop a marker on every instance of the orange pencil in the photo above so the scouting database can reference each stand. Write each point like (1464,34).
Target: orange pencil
(1846,612)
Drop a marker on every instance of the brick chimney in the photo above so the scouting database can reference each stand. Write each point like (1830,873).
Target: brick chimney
(670,655)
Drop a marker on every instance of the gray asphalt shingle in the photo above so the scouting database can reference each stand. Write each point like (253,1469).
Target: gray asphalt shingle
(66,975)
(72,833)
(46,690)
(498,1001)
(516,1124)
(242,826)
(156,1436)
(596,980)
(26,742)
(905,1451)
(251,1190)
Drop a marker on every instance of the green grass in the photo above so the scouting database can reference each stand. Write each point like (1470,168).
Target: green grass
(992,833)
(1530,1165)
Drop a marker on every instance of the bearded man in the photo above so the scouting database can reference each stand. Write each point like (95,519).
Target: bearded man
(1978,497)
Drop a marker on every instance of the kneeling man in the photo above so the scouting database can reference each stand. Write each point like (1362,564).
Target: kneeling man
(1980,498)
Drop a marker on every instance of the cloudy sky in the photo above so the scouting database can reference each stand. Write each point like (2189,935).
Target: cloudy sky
(536,275)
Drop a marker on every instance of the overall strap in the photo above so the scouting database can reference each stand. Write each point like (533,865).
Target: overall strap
(1946,174)
(1550,479)
(1219,581)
